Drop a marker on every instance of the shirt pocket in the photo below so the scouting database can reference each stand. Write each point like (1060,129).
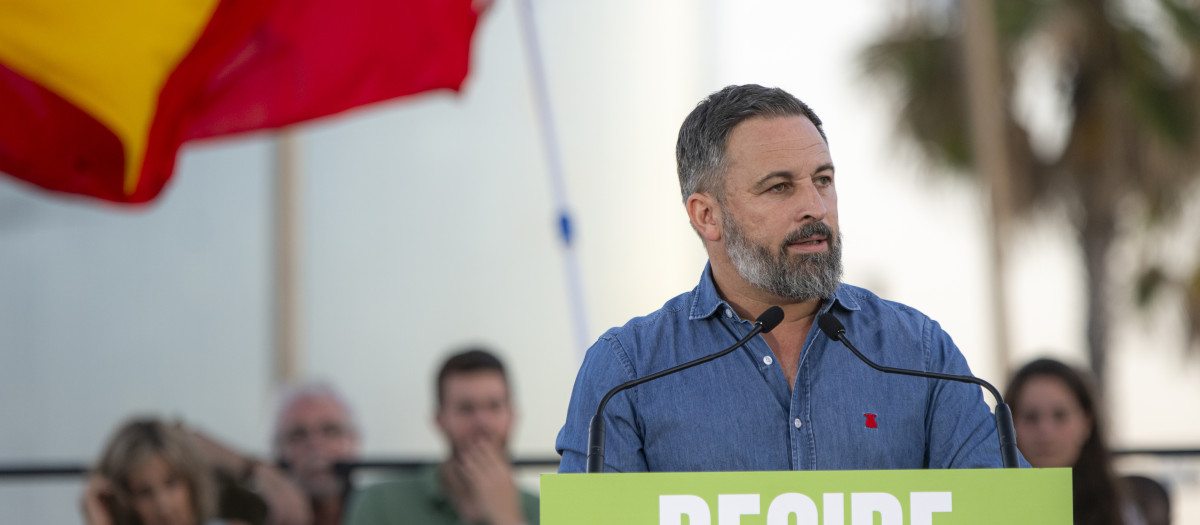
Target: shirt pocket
(872,424)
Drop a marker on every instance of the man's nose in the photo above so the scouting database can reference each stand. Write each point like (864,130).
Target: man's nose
(485,419)
(318,442)
(808,203)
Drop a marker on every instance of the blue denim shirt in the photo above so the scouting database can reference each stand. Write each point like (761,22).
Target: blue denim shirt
(737,413)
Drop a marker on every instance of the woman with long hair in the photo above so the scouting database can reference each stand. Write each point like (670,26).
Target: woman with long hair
(149,474)
(1057,417)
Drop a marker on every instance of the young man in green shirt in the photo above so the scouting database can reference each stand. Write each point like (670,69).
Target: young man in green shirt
(475,484)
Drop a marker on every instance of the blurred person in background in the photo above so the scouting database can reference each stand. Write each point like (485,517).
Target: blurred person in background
(475,484)
(1151,498)
(149,474)
(315,430)
(1057,417)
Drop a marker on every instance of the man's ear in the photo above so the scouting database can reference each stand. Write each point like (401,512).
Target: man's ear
(705,214)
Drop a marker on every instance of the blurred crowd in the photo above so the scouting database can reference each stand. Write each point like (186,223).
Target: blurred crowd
(155,472)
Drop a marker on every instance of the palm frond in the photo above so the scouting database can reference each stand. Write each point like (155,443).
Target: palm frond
(923,66)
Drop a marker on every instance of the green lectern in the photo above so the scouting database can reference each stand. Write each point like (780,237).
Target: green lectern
(883,497)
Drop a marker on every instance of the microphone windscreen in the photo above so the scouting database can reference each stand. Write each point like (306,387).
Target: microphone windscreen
(770,319)
(831,326)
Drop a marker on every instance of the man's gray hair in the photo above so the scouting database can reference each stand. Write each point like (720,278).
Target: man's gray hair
(700,151)
(310,390)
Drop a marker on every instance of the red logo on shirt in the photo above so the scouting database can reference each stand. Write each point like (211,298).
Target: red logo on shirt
(870,420)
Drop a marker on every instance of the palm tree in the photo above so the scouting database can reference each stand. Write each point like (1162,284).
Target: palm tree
(1131,90)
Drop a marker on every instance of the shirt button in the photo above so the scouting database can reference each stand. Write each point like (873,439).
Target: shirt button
(767,360)
(796,422)
(728,313)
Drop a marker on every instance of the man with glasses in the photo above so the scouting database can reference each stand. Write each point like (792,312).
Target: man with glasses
(314,429)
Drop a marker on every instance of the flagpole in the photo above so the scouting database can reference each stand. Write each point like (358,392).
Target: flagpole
(541,95)
(287,359)
(989,146)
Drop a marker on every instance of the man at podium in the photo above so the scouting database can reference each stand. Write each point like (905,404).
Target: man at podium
(759,187)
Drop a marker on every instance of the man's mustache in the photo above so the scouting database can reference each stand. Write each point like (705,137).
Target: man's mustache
(809,230)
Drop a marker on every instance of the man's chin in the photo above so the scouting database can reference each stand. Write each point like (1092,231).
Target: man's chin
(319,485)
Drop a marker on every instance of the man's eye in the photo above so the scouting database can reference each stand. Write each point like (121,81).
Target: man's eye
(778,188)
(823,180)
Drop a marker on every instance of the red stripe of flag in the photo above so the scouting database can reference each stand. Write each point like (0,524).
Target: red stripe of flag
(257,65)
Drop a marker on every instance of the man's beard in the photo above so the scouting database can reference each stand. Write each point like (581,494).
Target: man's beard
(800,276)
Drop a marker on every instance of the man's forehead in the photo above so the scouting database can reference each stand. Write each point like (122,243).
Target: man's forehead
(463,383)
(314,407)
(786,136)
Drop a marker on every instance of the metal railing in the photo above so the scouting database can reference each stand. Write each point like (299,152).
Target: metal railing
(15,471)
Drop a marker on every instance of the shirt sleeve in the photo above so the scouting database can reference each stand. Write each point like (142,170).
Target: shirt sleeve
(961,425)
(605,366)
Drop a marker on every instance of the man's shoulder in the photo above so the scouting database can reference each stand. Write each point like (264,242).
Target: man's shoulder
(858,298)
(865,314)
(670,316)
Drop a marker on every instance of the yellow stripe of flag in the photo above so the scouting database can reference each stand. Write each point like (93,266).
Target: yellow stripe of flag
(111,59)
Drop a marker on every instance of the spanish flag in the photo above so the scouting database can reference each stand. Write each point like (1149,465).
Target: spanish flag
(97,97)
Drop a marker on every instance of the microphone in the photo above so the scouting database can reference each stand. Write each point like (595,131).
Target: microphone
(1004,422)
(595,456)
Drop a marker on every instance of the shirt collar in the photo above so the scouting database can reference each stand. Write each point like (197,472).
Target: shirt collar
(706,302)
